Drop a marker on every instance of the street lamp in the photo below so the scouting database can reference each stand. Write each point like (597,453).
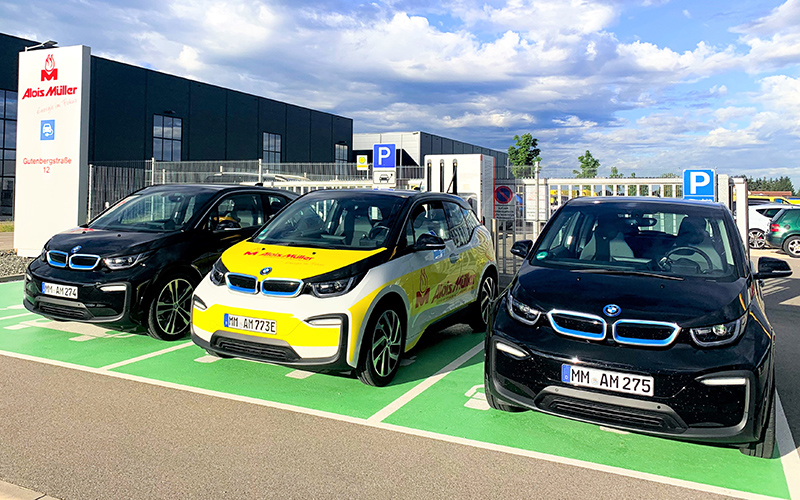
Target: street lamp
(44,45)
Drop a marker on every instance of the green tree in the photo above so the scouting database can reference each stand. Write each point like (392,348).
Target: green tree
(589,166)
(524,155)
(782,183)
(668,175)
(632,190)
(615,174)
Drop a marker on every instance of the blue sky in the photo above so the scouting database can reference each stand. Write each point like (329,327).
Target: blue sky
(648,86)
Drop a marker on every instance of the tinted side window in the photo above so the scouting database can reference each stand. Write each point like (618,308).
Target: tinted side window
(427,218)
(274,203)
(238,211)
(457,225)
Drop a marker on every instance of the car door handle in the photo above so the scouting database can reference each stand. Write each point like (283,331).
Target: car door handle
(454,258)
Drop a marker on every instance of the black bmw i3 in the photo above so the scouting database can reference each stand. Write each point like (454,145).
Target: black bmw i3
(641,314)
(139,261)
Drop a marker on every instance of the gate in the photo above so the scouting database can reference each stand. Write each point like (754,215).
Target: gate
(532,212)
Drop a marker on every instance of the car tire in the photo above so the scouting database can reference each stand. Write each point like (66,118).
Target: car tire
(756,239)
(482,307)
(170,312)
(792,246)
(494,402)
(766,447)
(382,347)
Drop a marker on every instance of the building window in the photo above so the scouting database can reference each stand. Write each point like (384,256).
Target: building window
(341,153)
(8,150)
(272,148)
(167,136)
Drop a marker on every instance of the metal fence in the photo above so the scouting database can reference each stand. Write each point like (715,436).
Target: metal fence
(113,180)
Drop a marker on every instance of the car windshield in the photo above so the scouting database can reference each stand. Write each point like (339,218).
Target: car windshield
(153,211)
(668,240)
(339,220)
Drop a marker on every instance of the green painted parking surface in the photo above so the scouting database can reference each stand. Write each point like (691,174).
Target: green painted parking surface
(32,335)
(341,394)
(447,409)
(453,406)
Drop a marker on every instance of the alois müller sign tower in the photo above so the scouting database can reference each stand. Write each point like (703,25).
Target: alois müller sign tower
(52,174)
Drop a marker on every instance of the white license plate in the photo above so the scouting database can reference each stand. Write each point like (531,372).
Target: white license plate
(611,381)
(65,291)
(251,324)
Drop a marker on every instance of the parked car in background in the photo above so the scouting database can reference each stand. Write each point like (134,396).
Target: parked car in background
(784,232)
(755,199)
(760,216)
(138,262)
(642,314)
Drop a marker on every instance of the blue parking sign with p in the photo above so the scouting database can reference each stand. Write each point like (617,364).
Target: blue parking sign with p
(699,184)
(383,156)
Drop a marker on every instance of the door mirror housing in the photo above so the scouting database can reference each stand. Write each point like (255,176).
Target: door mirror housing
(522,248)
(428,242)
(770,267)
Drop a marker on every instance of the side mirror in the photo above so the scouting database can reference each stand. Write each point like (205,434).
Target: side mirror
(770,267)
(428,242)
(522,248)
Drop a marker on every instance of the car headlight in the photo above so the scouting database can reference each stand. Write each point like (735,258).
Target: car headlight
(333,288)
(218,272)
(125,261)
(717,335)
(522,312)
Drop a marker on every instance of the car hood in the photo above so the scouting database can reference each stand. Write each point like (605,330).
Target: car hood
(108,243)
(690,302)
(291,262)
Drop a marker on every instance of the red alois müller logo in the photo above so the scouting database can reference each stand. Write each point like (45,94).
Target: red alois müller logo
(50,72)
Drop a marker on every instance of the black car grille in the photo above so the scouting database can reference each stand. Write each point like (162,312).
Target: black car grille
(254,350)
(79,261)
(604,413)
(64,311)
(576,324)
(645,333)
(280,286)
(242,283)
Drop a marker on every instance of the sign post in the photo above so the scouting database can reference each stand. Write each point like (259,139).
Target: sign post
(52,180)
(504,202)
(699,184)
(362,163)
(384,165)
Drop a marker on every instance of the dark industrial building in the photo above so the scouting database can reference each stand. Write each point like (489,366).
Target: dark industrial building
(412,147)
(138,114)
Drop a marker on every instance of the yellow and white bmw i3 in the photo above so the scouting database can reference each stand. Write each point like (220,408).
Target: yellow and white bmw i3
(347,279)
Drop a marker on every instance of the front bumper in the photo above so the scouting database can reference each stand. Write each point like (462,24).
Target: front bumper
(682,406)
(104,298)
(311,332)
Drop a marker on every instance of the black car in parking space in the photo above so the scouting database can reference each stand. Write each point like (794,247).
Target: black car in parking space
(138,262)
(641,314)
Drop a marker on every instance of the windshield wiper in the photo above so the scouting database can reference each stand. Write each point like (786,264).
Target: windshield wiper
(624,272)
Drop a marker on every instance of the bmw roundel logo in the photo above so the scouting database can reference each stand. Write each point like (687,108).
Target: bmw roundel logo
(266,271)
(75,249)
(612,310)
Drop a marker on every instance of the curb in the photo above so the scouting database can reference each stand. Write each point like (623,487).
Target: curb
(10,491)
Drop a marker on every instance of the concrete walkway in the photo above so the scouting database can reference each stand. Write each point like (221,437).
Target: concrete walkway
(10,491)
(6,241)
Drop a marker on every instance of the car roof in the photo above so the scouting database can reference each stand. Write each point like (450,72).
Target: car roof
(215,188)
(641,200)
(773,205)
(395,193)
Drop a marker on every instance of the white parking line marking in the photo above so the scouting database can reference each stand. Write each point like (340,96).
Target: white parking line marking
(299,374)
(146,356)
(17,316)
(207,359)
(11,308)
(440,437)
(788,450)
(419,388)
